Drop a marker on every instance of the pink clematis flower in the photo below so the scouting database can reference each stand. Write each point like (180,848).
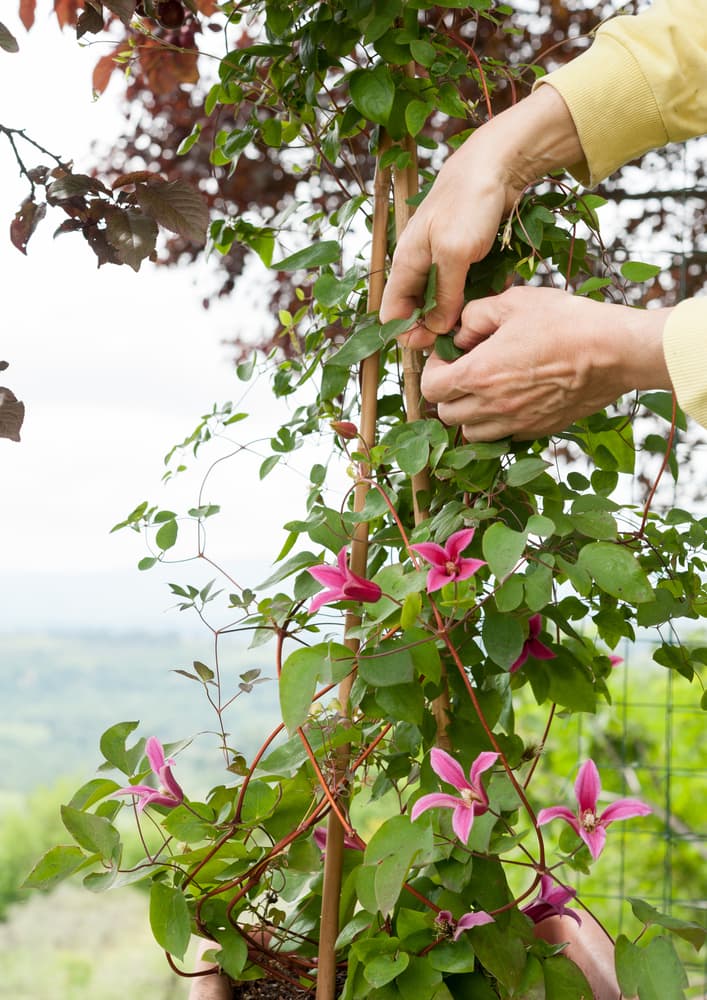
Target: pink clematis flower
(341,584)
(532,645)
(320,839)
(615,660)
(590,827)
(169,794)
(472,800)
(550,902)
(446,560)
(446,921)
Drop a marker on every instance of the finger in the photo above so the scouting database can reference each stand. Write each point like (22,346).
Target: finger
(489,430)
(443,381)
(405,288)
(480,319)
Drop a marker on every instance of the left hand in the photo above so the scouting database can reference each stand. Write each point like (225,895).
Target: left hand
(539,358)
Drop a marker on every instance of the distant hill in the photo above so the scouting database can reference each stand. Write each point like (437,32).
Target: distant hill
(59,692)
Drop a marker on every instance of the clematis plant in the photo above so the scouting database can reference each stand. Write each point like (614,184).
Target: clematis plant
(169,793)
(447,562)
(341,584)
(321,856)
(590,825)
(472,800)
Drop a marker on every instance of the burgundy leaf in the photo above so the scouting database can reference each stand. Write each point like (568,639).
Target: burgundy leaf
(132,235)
(177,206)
(29,215)
(91,20)
(12,413)
(72,186)
(124,9)
(27,8)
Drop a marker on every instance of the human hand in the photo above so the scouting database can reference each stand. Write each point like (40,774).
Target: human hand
(539,358)
(457,222)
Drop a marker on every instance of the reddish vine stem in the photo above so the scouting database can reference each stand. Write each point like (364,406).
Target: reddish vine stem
(663,467)
(520,791)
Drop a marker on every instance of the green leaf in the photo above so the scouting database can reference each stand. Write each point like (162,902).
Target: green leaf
(662,976)
(169,919)
(302,670)
(384,968)
(114,749)
(391,663)
(662,404)
(268,465)
(564,980)
(615,570)
(147,563)
(446,349)
(167,535)
(628,959)
(8,42)
(293,565)
(372,93)
(692,932)
(593,285)
(186,144)
(416,114)
(503,638)
(316,255)
(94,833)
(53,867)
(525,470)
(634,270)
(233,954)
(502,548)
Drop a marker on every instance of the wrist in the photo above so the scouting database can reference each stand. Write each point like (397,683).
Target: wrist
(529,140)
(641,359)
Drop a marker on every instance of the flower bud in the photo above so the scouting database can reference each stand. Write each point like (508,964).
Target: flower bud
(345,429)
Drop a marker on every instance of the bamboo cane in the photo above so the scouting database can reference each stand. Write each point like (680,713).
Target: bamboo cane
(334,856)
(405,187)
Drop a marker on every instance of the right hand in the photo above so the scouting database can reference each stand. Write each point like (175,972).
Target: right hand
(457,222)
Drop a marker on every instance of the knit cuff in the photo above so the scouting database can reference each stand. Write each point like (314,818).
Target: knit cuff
(685,350)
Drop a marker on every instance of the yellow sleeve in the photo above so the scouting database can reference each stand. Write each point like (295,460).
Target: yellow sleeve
(685,350)
(642,84)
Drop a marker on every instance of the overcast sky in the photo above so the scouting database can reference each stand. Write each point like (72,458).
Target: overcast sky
(113,367)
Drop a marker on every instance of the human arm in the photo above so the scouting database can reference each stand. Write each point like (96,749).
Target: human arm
(216,985)
(538,358)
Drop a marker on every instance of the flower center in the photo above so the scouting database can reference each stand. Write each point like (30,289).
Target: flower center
(451,567)
(469,796)
(588,819)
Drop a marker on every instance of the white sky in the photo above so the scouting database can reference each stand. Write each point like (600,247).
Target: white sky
(113,367)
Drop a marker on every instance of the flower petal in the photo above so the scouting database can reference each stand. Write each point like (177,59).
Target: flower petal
(587,786)
(171,784)
(457,542)
(436,579)
(535,624)
(594,839)
(482,763)
(432,552)
(462,821)
(558,812)
(134,790)
(447,768)
(517,664)
(155,754)
(433,801)
(341,561)
(539,650)
(328,576)
(319,600)
(470,920)
(624,809)
(467,568)
(357,588)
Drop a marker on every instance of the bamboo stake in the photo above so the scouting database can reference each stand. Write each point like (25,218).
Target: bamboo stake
(334,856)
(405,186)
